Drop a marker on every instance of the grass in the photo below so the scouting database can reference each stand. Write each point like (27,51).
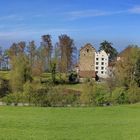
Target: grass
(97,123)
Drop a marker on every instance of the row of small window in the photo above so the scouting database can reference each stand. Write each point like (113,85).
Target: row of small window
(97,63)
(102,72)
(102,68)
(101,59)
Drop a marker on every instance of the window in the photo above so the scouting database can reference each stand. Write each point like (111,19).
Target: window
(87,50)
(102,63)
(102,72)
(102,58)
(97,63)
(96,68)
(102,68)
(97,58)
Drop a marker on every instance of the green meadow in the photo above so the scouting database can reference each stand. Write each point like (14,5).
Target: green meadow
(89,123)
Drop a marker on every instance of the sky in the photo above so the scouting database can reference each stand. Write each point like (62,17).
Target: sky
(85,21)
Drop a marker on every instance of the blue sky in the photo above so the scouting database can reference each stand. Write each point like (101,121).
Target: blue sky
(117,21)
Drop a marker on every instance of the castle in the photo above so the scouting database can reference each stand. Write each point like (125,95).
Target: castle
(92,63)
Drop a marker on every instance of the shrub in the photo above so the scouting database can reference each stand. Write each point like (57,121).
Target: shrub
(134,94)
(39,94)
(28,92)
(102,96)
(87,96)
(13,98)
(73,77)
(4,87)
(62,97)
(119,95)
(94,94)
(8,99)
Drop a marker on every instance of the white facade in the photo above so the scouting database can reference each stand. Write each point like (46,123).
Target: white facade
(101,63)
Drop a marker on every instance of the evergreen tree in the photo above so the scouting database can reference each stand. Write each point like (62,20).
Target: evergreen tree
(107,47)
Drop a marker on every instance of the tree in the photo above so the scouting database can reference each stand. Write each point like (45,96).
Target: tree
(13,50)
(137,71)
(54,63)
(20,72)
(46,50)
(125,67)
(21,47)
(31,49)
(1,57)
(6,58)
(107,47)
(67,49)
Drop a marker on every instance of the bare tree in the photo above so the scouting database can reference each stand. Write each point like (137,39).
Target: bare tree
(31,49)
(47,47)
(67,49)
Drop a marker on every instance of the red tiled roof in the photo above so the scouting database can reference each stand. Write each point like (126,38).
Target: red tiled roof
(87,74)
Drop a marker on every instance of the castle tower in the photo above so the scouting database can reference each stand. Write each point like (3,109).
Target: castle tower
(87,61)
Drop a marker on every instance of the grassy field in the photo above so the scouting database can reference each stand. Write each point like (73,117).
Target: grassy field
(97,123)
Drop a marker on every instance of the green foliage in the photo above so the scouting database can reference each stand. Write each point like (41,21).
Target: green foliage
(28,92)
(14,98)
(53,71)
(87,96)
(134,94)
(102,96)
(125,68)
(94,94)
(73,77)
(4,87)
(39,94)
(107,47)
(62,97)
(119,96)
(20,72)
(137,71)
(5,75)
(8,99)
(57,96)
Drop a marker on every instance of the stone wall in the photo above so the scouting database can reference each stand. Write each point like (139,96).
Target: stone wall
(87,58)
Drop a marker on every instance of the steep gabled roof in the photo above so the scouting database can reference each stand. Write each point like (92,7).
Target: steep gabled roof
(88,45)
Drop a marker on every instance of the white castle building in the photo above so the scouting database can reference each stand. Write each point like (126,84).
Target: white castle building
(101,63)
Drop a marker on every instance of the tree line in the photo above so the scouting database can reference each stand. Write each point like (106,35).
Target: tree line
(29,62)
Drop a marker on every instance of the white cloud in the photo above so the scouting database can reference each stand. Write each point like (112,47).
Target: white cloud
(85,14)
(10,17)
(134,10)
(25,33)
(73,15)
